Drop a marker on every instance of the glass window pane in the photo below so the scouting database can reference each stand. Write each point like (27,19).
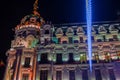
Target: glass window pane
(27,62)
(59,75)
(98,74)
(70,40)
(84,75)
(44,75)
(71,75)
(111,74)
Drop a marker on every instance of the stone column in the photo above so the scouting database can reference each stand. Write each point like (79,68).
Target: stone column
(104,72)
(49,74)
(78,73)
(116,69)
(65,74)
(37,73)
(54,75)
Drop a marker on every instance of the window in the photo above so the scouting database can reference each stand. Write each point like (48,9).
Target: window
(25,77)
(70,40)
(33,20)
(81,39)
(64,42)
(84,75)
(59,40)
(104,38)
(71,57)
(59,58)
(93,39)
(111,74)
(24,33)
(71,75)
(115,37)
(98,74)
(44,58)
(44,75)
(37,33)
(58,75)
(99,40)
(76,41)
(110,39)
(46,31)
(27,62)
(47,41)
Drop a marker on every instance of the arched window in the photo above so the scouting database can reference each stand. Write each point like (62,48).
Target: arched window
(44,58)
(71,57)
(47,32)
(59,58)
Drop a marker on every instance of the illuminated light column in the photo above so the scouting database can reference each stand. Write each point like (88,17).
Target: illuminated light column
(89,28)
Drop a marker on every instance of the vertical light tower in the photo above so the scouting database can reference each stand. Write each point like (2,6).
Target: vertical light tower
(89,28)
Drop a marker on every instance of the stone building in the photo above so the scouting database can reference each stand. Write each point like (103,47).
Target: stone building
(45,51)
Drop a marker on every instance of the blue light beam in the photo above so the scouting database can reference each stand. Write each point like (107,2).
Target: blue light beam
(89,28)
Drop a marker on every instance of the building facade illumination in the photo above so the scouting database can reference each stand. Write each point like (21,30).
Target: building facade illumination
(43,51)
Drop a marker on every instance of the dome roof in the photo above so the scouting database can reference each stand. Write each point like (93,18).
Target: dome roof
(33,20)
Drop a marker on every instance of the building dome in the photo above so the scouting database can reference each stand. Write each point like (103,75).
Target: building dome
(33,20)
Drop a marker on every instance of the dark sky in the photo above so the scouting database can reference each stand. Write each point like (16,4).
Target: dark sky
(56,11)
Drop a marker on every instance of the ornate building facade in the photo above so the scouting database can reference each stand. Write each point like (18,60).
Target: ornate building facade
(43,51)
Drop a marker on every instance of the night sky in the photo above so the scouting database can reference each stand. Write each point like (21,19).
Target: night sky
(56,11)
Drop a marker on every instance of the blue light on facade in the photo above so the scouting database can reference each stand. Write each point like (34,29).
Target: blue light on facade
(89,28)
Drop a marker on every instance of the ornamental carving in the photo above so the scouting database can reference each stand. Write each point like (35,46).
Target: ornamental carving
(59,31)
(28,42)
(112,29)
(80,30)
(70,30)
(101,29)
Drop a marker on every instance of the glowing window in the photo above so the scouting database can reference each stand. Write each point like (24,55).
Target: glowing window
(44,58)
(71,57)
(59,58)
(59,40)
(64,42)
(76,41)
